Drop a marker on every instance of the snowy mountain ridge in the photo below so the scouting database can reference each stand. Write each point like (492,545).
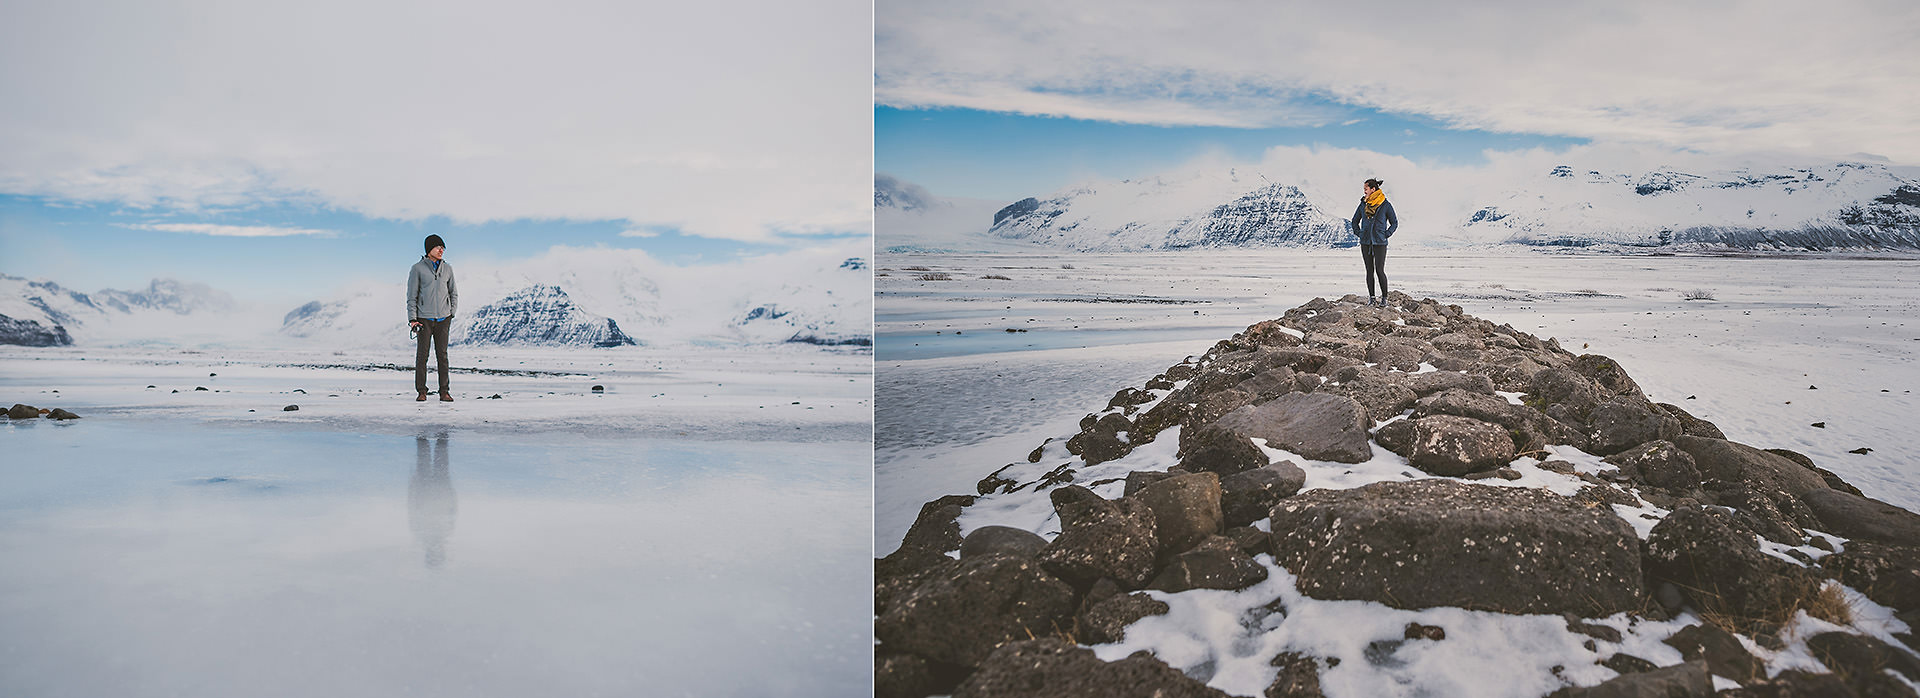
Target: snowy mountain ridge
(44,313)
(565,297)
(599,297)
(1780,206)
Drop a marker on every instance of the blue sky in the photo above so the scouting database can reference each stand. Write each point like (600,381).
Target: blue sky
(1001,99)
(88,247)
(1004,156)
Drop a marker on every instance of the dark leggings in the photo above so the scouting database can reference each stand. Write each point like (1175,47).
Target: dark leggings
(1376,259)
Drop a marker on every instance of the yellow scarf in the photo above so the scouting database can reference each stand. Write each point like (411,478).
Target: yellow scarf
(1372,202)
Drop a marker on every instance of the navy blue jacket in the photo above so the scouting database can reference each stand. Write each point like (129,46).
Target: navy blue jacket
(1375,230)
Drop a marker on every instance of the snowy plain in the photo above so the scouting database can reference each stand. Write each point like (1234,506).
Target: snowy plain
(555,540)
(1763,346)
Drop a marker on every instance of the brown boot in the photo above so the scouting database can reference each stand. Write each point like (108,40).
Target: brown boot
(422,398)
(446,396)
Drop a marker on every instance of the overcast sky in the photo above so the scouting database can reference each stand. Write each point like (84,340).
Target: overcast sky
(745,122)
(1829,79)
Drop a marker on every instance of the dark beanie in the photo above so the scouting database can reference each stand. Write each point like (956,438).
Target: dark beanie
(434,241)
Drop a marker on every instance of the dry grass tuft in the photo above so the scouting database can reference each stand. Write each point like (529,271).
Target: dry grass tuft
(1830,604)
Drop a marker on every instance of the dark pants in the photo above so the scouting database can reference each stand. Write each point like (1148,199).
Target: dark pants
(1376,258)
(434,331)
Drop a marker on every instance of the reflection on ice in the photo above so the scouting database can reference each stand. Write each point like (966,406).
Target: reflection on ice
(149,558)
(431,505)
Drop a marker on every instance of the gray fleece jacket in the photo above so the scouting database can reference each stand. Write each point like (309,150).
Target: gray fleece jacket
(430,292)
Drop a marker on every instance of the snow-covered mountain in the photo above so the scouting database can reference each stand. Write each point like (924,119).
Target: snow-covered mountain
(179,297)
(1234,209)
(43,313)
(1780,205)
(568,296)
(1838,205)
(541,315)
(603,297)
(839,313)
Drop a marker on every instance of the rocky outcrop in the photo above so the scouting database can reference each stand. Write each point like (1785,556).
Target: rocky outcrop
(1716,562)
(960,617)
(1443,543)
(1319,426)
(1051,668)
(1329,381)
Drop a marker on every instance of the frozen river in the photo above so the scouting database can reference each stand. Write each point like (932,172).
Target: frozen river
(163,547)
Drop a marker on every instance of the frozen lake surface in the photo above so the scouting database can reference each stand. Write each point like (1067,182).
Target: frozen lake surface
(1762,346)
(555,541)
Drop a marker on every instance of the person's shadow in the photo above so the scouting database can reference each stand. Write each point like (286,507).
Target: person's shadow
(431,505)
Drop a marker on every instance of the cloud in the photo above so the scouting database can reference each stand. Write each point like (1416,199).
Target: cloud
(1815,78)
(239,231)
(732,119)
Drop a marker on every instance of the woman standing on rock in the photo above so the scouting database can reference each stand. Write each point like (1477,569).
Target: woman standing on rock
(1374,222)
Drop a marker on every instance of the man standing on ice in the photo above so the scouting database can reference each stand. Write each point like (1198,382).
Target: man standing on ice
(1374,222)
(431,300)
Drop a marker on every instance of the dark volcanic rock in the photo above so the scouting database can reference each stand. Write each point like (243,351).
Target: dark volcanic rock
(1001,539)
(1424,384)
(1382,398)
(1687,680)
(1722,652)
(1299,677)
(1691,425)
(1219,451)
(1443,543)
(961,616)
(1107,620)
(1627,663)
(1099,538)
(1139,479)
(61,414)
(1216,563)
(1617,425)
(937,528)
(1537,428)
(1758,509)
(1558,386)
(1794,683)
(1833,480)
(1854,656)
(1888,574)
(1658,463)
(1717,562)
(1186,510)
(1736,462)
(1317,426)
(1054,668)
(1097,446)
(1269,384)
(1248,496)
(1396,436)
(1449,445)
(897,675)
(19,411)
(1606,374)
(1864,518)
